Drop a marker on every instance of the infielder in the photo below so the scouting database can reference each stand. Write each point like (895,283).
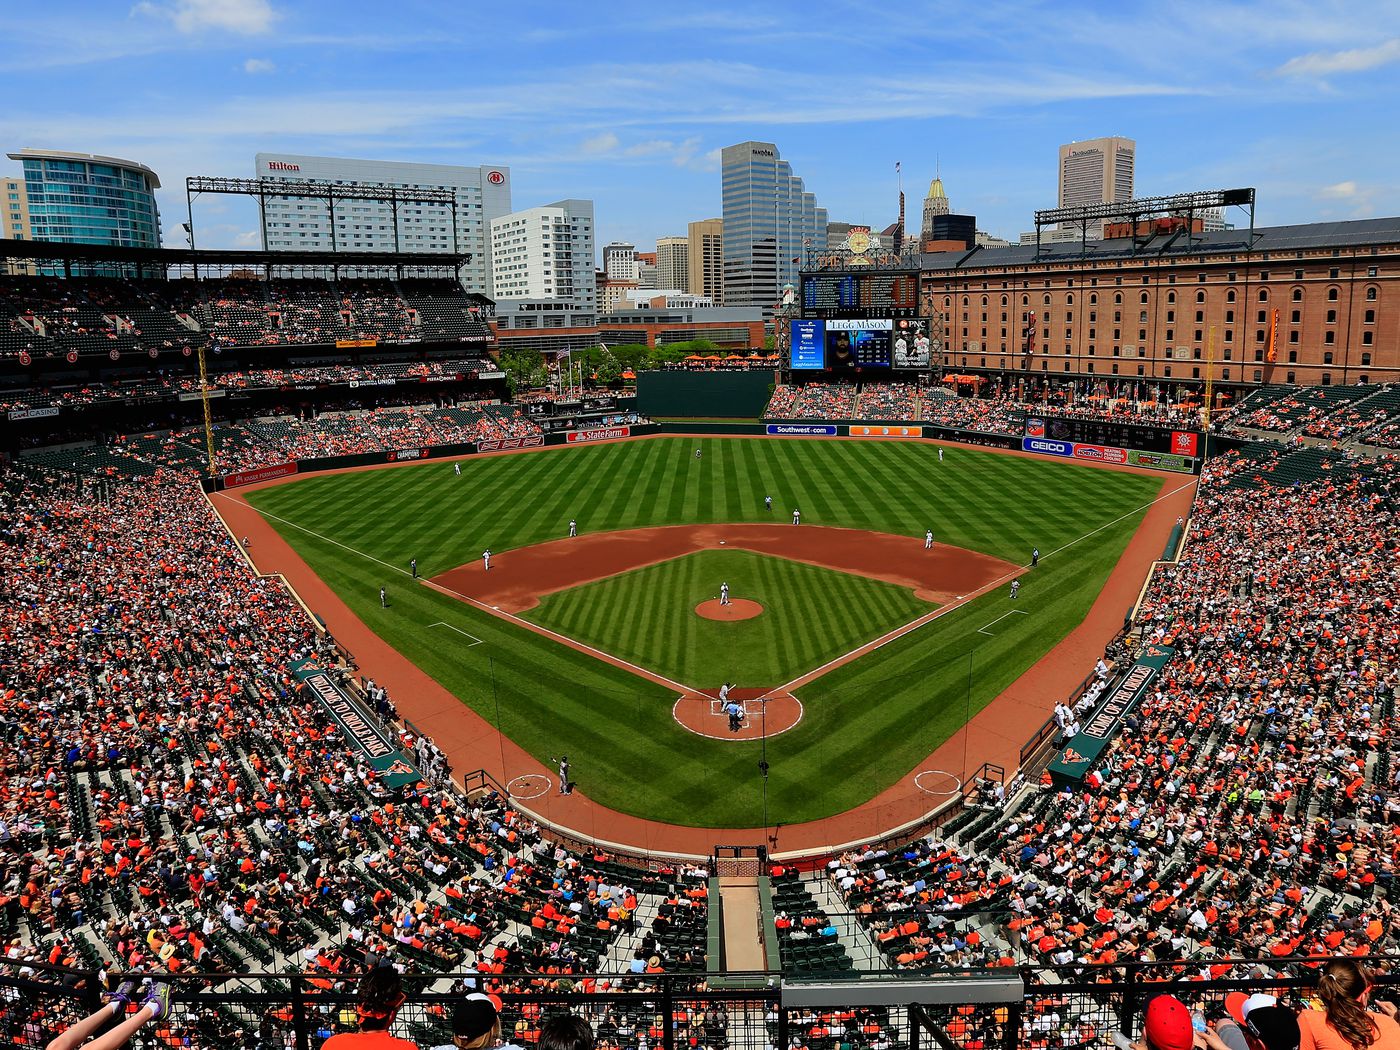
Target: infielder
(1015,589)
(486,559)
(383,598)
(796,516)
(928,539)
(573,527)
(724,593)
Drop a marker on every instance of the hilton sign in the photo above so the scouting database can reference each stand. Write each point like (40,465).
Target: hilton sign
(282,165)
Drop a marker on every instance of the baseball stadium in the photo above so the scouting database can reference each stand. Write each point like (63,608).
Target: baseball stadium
(869,690)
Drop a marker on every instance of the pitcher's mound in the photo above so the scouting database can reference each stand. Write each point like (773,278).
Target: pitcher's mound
(737,609)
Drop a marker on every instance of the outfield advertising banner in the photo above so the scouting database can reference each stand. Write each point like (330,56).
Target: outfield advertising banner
(251,477)
(808,344)
(884,431)
(405,455)
(575,437)
(1101,453)
(498,444)
(1047,447)
(1072,764)
(1158,461)
(802,429)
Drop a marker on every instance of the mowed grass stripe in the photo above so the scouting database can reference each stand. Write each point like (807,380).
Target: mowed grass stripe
(876,717)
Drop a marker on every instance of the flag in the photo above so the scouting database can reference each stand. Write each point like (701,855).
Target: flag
(563,354)
(896,167)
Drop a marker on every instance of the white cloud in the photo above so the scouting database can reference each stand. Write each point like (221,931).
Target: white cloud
(258,65)
(248,17)
(1355,60)
(1339,190)
(604,143)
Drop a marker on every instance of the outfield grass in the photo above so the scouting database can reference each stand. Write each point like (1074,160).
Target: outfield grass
(866,723)
(810,615)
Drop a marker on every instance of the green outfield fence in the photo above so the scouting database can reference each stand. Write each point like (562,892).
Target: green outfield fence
(1003,1008)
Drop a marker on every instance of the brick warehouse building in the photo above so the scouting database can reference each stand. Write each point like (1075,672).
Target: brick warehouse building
(1116,308)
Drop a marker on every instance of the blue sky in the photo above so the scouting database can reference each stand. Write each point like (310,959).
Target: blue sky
(629,103)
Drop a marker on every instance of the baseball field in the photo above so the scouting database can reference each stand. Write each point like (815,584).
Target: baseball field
(862,572)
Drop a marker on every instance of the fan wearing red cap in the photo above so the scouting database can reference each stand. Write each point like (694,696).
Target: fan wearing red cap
(1167,1026)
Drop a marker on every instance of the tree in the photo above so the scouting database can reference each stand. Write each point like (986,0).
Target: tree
(524,369)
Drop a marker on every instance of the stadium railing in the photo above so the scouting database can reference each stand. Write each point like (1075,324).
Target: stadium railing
(1009,1007)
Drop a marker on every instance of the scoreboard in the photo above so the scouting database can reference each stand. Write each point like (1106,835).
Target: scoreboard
(848,295)
(1111,434)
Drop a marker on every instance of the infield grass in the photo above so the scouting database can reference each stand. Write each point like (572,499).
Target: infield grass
(809,615)
(866,724)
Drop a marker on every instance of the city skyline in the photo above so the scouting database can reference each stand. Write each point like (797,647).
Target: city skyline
(199,87)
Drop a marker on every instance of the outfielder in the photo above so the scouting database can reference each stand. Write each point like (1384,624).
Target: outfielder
(768,503)
(383,598)
(457,469)
(1015,589)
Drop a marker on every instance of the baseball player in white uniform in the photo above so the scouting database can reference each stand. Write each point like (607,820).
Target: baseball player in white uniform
(486,559)
(724,593)
(796,516)
(573,527)
(928,539)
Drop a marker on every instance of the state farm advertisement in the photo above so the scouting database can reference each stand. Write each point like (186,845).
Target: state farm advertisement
(252,477)
(601,434)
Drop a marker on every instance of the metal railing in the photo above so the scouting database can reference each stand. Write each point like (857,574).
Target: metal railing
(1008,1007)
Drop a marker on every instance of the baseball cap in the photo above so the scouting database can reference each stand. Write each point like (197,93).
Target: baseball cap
(1274,1026)
(1167,1024)
(1238,1005)
(475,1015)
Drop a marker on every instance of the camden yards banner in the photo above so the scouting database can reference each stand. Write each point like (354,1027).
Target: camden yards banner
(362,734)
(1072,764)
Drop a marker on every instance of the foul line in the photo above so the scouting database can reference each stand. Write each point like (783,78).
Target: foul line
(464,634)
(1013,612)
(908,628)
(573,643)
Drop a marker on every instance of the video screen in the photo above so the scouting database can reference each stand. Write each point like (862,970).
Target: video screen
(808,344)
(911,348)
(863,343)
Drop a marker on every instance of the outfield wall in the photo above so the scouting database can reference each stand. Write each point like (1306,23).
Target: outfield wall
(737,394)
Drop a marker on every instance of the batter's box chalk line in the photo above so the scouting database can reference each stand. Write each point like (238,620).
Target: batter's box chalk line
(751,706)
(532,785)
(474,639)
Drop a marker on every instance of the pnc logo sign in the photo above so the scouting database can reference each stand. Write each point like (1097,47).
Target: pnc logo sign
(282,165)
(495,178)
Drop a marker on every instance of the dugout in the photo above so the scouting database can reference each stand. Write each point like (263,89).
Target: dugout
(727,394)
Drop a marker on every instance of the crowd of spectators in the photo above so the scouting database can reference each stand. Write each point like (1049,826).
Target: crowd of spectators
(172,800)
(1251,805)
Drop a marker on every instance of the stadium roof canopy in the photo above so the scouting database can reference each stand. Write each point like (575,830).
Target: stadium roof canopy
(1305,236)
(50,252)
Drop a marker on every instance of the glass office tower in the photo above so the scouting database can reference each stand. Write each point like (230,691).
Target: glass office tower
(80,198)
(769,221)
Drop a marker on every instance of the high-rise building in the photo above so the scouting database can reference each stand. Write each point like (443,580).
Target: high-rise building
(769,220)
(646,270)
(673,263)
(620,261)
(1096,171)
(935,204)
(545,253)
(304,223)
(82,198)
(705,251)
(16,223)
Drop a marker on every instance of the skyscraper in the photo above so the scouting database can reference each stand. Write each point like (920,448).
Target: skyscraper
(935,204)
(620,261)
(769,220)
(673,263)
(1096,171)
(706,258)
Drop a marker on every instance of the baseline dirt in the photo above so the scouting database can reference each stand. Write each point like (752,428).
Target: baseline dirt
(519,578)
(995,733)
(735,609)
